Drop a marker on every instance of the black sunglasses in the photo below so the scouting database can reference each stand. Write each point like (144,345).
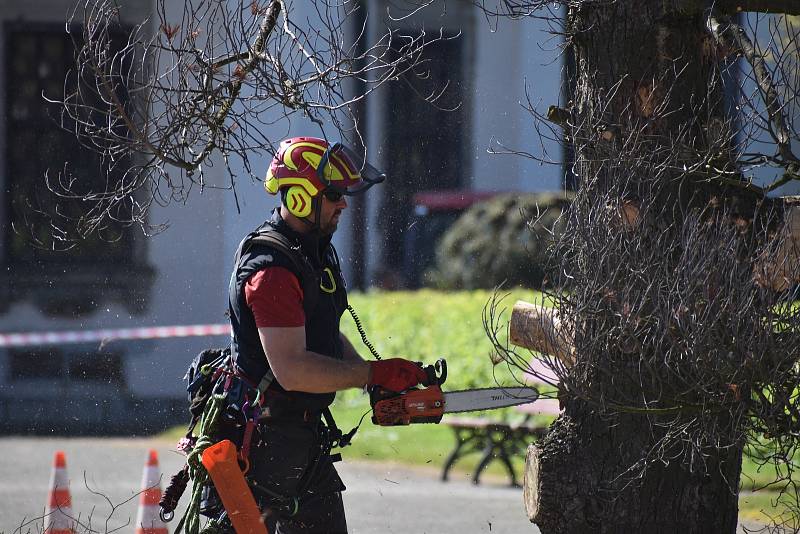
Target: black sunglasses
(333,196)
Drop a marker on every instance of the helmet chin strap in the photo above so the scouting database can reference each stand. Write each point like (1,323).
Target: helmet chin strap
(316,208)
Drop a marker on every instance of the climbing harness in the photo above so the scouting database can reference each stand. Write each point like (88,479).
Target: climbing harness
(219,395)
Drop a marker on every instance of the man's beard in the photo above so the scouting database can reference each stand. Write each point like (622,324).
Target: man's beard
(330,227)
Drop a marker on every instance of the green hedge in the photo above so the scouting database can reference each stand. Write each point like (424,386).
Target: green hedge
(505,239)
(427,325)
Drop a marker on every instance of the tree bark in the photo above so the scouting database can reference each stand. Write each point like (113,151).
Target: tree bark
(789,7)
(780,270)
(575,483)
(648,65)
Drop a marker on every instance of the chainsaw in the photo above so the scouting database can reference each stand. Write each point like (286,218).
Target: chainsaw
(429,404)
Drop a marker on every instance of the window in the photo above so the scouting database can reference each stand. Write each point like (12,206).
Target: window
(98,366)
(110,265)
(66,365)
(41,363)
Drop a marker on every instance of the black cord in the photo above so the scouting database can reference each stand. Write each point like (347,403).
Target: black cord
(345,440)
(176,487)
(362,333)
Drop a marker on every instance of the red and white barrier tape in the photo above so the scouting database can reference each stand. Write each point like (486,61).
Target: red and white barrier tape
(28,339)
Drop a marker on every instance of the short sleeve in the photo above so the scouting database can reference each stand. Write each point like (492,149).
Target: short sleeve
(275,298)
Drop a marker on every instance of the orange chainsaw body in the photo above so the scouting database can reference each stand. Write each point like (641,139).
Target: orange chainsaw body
(414,406)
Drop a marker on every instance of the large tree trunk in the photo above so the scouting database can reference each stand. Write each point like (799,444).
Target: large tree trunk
(580,481)
(644,69)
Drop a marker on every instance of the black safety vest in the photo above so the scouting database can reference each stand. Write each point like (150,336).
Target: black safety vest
(315,263)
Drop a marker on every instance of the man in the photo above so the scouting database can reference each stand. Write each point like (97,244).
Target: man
(287,295)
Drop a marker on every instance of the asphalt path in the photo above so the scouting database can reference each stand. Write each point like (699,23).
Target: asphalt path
(105,477)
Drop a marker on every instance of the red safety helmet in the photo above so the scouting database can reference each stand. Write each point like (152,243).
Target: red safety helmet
(306,166)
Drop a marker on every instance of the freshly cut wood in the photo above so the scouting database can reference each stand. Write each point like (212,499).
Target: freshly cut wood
(542,330)
(780,270)
(629,212)
(530,484)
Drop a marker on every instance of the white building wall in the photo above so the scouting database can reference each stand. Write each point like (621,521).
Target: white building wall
(189,289)
(766,39)
(511,58)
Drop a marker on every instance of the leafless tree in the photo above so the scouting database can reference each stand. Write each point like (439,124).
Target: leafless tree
(166,99)
(677,272)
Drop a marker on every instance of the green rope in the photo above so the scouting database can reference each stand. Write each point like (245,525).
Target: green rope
(190,522)
(212,527)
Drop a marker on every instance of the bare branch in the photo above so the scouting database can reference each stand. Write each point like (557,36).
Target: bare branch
(732,37)
(161,102)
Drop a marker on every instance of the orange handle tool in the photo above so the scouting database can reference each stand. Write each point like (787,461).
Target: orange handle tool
(220,460)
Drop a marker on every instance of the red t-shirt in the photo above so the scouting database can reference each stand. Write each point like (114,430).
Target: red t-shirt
(275,297)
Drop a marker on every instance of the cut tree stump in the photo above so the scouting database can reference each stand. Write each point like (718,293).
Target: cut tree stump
(530,485)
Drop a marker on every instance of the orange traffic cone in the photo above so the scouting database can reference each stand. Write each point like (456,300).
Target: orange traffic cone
(58,518)
(147,520)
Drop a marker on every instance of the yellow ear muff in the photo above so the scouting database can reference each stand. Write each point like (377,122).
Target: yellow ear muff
(298,201)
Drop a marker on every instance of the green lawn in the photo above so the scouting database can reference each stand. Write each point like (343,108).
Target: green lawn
(424,326)
(765,507)
(427,325)
(421,444)
(418,444)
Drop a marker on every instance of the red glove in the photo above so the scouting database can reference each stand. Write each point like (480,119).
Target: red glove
(395,374)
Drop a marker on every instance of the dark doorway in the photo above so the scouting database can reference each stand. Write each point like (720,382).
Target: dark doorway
(428,132)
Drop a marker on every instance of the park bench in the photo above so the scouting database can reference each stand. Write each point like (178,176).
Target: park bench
(497,440)
(500,440)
